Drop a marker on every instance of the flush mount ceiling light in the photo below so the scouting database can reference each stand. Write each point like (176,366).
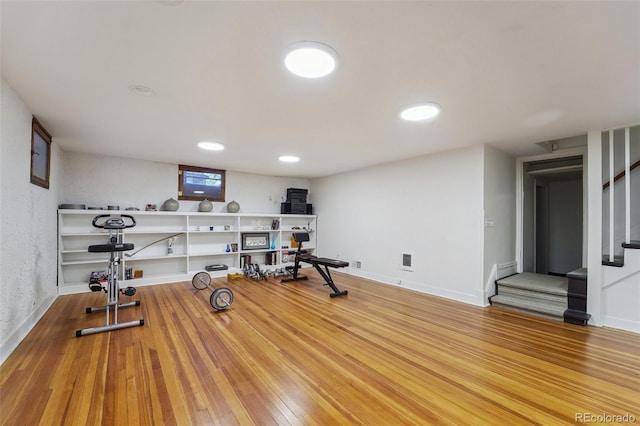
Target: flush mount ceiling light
(310,59)
(141,90)
(210,146)
(420,112)
(289,158)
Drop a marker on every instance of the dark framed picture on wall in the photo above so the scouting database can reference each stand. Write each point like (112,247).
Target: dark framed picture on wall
(40,154)
(255,241)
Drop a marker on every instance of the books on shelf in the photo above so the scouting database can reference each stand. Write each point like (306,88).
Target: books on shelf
(245,261)
(271,258)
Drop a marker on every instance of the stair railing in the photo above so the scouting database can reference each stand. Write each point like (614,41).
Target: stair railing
(627,186)
(628,167)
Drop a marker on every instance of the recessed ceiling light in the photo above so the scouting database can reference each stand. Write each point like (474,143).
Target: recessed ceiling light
(289,158)
(141,90)
(211,146)
(169,2)
(310,59)
(421,112)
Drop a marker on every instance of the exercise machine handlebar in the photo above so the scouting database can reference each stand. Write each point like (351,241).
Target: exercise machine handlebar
(113,222)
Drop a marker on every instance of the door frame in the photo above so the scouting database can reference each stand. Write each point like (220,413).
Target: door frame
(570,152)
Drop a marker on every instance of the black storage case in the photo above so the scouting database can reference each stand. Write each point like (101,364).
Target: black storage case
(296,208)
(297,193)
(296,202)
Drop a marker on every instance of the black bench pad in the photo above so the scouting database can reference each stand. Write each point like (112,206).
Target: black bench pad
(332,263)
(324,261)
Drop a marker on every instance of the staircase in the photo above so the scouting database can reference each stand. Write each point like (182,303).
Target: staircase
(537,294)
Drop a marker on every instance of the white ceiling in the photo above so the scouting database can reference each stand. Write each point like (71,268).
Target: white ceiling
(509,74)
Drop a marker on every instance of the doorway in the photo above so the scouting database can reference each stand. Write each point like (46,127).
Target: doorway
(552,215)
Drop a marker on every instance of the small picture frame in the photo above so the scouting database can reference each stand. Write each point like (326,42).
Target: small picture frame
(255,241)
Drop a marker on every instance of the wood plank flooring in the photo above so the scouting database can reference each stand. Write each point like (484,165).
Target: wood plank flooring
(288,354)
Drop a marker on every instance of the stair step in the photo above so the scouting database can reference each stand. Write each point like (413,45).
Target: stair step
(539,283)
(618,261)
(531,294)
(553,310)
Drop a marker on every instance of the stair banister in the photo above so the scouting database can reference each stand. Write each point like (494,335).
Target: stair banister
(611,198)
(627,186)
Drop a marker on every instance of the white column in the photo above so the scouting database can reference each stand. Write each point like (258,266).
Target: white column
(594,237)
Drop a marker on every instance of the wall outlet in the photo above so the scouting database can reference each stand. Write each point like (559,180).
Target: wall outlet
(358,264)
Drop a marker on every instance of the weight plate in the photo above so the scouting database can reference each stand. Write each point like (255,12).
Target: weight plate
(201,280)
(221,299)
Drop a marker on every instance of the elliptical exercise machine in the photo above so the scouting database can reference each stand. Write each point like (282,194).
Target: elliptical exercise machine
(115,225)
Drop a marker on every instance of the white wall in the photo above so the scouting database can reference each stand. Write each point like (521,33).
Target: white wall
(28,230)
(431,207)
(100,181)
(499,215)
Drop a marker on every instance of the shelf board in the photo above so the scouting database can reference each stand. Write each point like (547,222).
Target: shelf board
(164,231)
(256,251)
(213,253)
(156,279)
(215,231)
(84,234)
(218,274)
(84,262)
(74,251)
(163,257)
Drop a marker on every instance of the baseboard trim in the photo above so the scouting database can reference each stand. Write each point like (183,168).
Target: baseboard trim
(416,286)
(12,342)
(621,324)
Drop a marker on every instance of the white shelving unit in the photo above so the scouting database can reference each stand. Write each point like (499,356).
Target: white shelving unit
(200,239)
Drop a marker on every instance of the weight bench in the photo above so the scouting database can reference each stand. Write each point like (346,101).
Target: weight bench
(316,262)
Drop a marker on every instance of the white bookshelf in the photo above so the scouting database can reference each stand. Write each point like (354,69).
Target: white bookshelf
(202,240)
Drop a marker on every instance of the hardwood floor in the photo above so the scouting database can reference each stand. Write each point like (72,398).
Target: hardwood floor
(288,354)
